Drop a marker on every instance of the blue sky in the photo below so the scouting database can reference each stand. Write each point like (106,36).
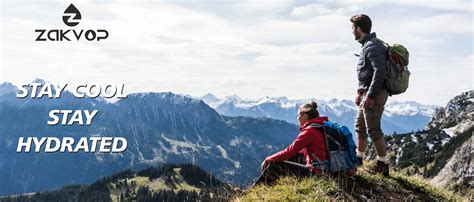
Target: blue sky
(298,49)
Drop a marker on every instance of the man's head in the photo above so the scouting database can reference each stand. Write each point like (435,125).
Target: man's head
(361,25)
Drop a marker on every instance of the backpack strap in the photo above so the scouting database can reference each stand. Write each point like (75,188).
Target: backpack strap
(386,46)
(383,42)
(387,56)
(322,165)
(315,125)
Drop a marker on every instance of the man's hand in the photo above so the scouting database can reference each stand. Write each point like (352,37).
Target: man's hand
(358,99)
(368,102)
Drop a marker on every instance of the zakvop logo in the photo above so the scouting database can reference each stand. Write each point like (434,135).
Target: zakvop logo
(71,17)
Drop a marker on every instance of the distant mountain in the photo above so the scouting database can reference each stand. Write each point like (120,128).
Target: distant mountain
(399,117)
(168,182)
(444,151)
(7,88)
(160,128)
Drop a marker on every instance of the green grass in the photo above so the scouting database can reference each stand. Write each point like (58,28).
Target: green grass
(155,185)
(364,185)
(290,188)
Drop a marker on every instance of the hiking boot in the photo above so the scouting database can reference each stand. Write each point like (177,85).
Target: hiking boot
(382,167)
(360,161)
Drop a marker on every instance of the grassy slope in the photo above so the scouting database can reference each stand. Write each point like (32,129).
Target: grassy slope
(158,184)
(364,185)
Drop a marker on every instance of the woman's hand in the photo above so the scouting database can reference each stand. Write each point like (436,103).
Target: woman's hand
(310,166)
(265,163)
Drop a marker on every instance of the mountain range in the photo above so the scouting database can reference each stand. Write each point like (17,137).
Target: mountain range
(159,127)
(398,117)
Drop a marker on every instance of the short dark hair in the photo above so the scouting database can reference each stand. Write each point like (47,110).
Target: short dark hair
(363,21)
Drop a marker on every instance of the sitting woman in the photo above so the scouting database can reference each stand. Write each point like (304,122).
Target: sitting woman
(297,158)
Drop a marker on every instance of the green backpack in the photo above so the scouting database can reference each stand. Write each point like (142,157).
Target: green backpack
(397,70)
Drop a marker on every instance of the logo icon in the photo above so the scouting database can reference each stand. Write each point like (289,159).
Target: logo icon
(71,16)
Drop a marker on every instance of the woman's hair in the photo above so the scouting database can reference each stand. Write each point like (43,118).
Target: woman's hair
(310,109)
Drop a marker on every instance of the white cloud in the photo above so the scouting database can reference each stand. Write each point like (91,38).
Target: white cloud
(457,5)
(263,5)
(249,48)
(436,5)
(323,9)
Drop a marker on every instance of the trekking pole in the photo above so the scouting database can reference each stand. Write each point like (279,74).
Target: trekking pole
(296,164)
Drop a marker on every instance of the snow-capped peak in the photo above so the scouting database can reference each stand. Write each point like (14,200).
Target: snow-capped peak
(38,80)
(232,98)
(209,98)
(459,108)
(6,88)
(409,108)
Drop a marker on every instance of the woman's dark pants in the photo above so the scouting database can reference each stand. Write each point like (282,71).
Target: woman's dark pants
(278,169)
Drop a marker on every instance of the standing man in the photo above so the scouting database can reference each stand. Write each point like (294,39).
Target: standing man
(371,94)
